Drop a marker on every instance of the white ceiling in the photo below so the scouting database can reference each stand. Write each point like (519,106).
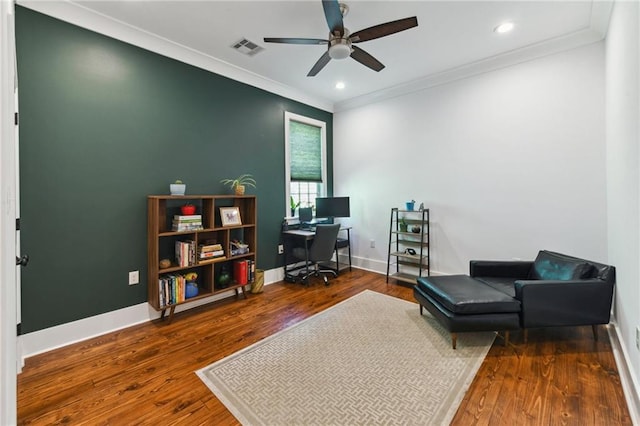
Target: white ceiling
(452,37)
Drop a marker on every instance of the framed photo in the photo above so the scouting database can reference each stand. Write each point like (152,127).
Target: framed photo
(230,216)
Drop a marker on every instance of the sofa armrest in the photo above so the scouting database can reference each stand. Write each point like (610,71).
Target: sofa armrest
(550,303)
(516,269)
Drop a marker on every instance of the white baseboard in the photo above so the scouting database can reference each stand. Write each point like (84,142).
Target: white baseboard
(628,380)
(41,341)
(379,266)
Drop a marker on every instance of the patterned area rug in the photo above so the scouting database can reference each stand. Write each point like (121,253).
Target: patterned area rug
(371,359)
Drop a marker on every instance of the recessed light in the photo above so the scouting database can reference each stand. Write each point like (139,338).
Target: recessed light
(340,85)
(503,28)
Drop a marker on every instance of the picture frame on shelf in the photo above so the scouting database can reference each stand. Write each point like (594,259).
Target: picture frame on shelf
(230,216)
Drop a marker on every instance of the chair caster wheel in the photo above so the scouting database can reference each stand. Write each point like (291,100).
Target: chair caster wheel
(326,281)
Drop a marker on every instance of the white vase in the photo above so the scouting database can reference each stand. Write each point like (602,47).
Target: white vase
(177,188)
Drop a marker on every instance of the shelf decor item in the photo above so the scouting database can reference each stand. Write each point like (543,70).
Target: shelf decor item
(230,216)
(410,205)
(191,289)
(293,205)
(188,209)
(240,183)
(177,188)
(403,224)
(224,279)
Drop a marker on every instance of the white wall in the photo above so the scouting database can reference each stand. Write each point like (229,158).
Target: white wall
(509,162)
(623,178)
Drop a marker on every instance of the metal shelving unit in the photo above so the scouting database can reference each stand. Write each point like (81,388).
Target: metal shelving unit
(408,255)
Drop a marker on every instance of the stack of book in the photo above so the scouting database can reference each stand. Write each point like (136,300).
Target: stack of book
(244,271)
(187,223)
(171,289)
(185,253)
(210,251)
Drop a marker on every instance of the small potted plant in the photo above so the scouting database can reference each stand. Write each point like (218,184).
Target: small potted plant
(238,184)
(403,224)
(177,188)
(293,205)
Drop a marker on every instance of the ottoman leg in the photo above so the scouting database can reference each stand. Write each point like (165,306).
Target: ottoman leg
(594,328)
(454,339)
(506,338)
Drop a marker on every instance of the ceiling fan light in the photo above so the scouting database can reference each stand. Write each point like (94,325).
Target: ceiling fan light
(339,51)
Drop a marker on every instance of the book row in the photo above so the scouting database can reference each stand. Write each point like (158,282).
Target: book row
(244,271)
(172,289)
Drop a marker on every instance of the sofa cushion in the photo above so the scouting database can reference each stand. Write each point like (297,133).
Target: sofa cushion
(502,284)
(462,294)
(554,266)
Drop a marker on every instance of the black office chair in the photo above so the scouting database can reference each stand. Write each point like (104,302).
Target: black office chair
(321,250)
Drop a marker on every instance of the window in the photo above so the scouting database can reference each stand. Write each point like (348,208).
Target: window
(305,159)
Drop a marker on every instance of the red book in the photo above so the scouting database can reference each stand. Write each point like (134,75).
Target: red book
(240,272)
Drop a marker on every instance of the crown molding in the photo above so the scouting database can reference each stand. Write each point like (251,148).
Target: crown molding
(535,51)
(597,31)
(76,14)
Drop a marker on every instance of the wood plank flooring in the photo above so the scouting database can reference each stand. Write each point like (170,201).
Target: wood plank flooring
(145,374)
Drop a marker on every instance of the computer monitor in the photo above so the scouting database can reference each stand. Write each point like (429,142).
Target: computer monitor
(305,214)
(330,207)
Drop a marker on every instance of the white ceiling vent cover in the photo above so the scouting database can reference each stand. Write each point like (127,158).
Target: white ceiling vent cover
(247,47)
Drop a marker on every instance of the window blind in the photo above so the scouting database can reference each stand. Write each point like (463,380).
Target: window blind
(306,152)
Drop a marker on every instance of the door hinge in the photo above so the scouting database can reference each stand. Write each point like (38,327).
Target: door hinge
(15,118)
(17,224)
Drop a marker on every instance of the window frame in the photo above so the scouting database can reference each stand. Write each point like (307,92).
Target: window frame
(288,117)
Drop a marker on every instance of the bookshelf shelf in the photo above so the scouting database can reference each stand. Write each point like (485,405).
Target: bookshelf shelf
(166,286)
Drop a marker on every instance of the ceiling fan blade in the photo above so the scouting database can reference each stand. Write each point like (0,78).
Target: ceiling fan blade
(366,59)
(324,60)
(333,15)
(384,29)
(295,40)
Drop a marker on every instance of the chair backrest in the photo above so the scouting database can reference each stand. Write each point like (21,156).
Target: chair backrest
(324,242)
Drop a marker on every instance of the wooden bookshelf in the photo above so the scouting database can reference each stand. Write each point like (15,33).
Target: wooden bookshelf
(162,241)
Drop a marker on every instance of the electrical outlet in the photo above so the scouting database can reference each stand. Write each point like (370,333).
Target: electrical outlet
(638,337)
(134,277)
(280,249)
(372,243)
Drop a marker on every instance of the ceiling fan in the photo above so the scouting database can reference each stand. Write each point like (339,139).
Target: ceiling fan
(340,42)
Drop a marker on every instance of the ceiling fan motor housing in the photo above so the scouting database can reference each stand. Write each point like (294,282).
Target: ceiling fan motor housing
(339,47)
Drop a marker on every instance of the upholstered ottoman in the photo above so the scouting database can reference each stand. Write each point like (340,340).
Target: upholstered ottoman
(462,303)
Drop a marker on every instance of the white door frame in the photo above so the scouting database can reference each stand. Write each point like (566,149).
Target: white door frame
(8,291)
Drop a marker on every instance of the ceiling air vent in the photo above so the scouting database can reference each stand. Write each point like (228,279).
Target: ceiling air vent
(247,47)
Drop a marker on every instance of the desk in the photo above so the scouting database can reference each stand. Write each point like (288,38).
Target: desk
(303,236)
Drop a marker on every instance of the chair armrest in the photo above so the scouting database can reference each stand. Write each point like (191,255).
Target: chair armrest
(516,269)
(550,303)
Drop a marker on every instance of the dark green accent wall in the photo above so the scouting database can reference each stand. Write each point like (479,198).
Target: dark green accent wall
(103,124)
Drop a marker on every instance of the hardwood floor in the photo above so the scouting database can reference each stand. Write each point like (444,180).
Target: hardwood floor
(145,374)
